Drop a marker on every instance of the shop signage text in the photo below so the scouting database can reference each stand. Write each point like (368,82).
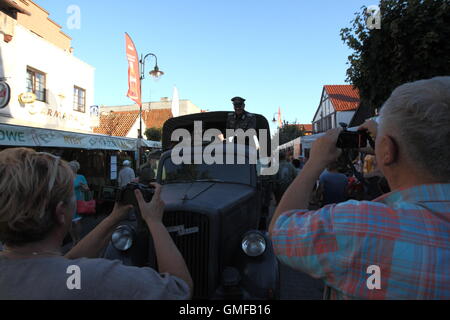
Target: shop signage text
(27,98)
(12,136)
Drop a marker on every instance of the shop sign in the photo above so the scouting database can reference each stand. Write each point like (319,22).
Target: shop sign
(27,98)
(11,136)
(37,137)
(5,94)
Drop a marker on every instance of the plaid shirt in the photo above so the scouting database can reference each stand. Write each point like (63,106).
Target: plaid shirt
(405,233)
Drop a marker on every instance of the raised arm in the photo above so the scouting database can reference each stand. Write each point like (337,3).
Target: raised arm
(297,196)
(168,256)
(93,244)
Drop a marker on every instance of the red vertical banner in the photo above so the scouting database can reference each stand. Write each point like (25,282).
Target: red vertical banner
(280,119)
(134,74)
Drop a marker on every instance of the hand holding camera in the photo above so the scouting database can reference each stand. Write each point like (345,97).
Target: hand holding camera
(120,211)
(324,150)
(338,143)
(354,140)
(127,195)
(371,126)
(153,211)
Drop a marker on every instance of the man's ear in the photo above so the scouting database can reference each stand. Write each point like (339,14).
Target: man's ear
(60,213)
(388,149)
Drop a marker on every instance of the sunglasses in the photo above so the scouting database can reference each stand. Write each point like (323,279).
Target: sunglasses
(57,159)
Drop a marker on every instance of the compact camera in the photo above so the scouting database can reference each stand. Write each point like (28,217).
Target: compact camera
(353,140)
(126,196)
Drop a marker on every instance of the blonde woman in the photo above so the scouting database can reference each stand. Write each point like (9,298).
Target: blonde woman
(37,203)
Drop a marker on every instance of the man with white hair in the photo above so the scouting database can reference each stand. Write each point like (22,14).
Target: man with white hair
(126,175)
(397,246)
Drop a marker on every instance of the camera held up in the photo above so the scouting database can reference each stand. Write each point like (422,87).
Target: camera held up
(126,195)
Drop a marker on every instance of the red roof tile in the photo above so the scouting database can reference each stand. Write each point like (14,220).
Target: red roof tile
(156,118)
(304,127)
(307,127)
(343,97)
(119,124)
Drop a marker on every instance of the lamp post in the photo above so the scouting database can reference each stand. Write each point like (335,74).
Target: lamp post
(155,73)
(275,120)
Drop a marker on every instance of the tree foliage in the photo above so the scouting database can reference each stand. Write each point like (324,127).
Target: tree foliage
(153,134)
(289,132)
(413,44)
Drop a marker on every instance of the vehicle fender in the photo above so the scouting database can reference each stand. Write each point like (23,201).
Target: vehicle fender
(260,275)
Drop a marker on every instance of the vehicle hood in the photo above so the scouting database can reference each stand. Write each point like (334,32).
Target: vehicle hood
(206,197)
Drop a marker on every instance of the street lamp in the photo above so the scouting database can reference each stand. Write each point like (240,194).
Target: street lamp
(274,120)
(156,74)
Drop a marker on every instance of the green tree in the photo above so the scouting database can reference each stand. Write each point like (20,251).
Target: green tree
(412,44)
(153,134)
(289,132)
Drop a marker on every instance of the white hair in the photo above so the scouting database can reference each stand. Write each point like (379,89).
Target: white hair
(418,115)
(127,163)
(74,165)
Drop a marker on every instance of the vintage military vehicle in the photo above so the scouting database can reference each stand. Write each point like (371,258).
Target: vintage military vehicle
(217,215)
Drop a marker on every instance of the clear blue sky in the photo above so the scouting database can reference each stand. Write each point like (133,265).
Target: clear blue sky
(274,53)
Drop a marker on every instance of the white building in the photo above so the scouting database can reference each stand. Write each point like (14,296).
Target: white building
(50,88)
(338,104)
(185,107)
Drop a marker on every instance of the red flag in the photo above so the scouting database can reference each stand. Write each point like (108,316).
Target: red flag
(134,74)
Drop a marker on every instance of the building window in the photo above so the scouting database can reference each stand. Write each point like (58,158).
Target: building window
(79,99)
(36,84)
(318,126)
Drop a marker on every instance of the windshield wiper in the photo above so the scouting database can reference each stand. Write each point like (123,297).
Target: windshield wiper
(222,181)
(178,181)
(192,181)
(205,180)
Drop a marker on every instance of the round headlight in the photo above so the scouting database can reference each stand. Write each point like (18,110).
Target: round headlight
(254,244)
(122,238)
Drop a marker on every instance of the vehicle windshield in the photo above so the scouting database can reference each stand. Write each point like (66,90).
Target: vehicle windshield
(236,173)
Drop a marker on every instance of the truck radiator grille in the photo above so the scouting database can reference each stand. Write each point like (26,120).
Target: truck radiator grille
(190,232)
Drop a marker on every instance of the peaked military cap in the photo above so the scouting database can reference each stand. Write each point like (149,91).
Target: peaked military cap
(238,99)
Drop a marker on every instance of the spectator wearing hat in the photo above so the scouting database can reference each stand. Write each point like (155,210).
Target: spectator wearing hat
(126,175)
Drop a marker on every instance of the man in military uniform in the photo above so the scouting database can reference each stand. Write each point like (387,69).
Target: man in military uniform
(240,119)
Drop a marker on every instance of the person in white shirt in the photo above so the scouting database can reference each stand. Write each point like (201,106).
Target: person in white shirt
(126,175)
